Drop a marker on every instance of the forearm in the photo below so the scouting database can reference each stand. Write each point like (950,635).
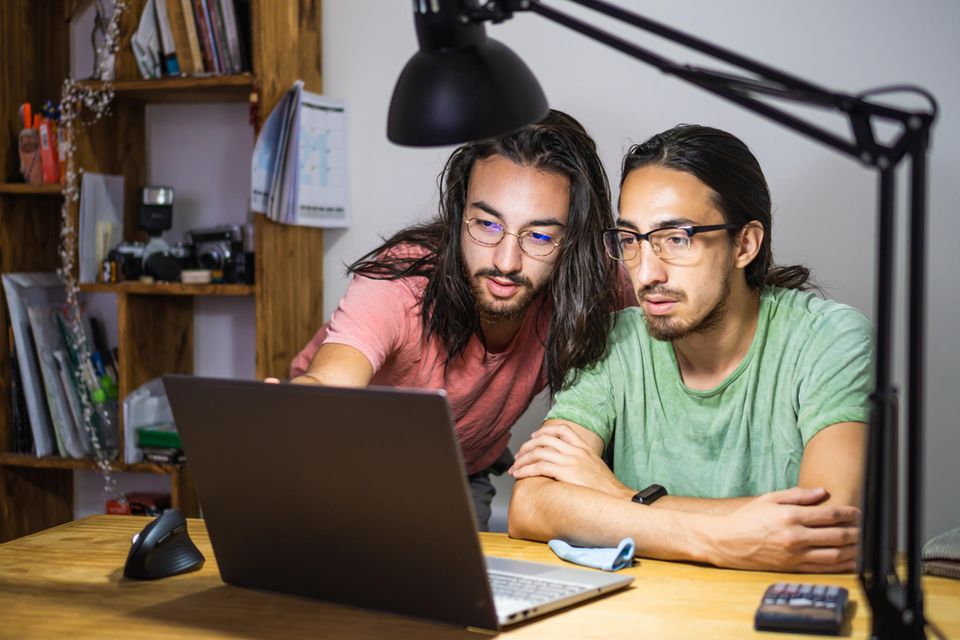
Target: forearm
(712,506)
(543,509)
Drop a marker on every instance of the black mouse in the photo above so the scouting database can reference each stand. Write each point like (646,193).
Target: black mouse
(162,549)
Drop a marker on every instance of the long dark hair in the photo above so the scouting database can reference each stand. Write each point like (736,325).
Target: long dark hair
(723,162)
(583,286)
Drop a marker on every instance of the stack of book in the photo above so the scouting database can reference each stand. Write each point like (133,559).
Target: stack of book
(193,37)
(54,379)
(160,443)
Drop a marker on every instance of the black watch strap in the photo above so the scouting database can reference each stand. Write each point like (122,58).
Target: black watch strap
(649,495)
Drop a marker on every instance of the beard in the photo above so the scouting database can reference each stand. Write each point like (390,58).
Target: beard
(668,329)
(494,310)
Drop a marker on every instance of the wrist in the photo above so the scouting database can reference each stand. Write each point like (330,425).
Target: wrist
(702,537)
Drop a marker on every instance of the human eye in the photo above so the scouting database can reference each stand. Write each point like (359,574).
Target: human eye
(491,227)
(627,239)
(672,238)
(540,238)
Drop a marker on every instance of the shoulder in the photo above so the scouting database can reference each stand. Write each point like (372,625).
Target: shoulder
(628,326)
(805,309)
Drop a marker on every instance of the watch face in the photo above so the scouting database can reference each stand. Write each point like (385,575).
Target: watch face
(651,494)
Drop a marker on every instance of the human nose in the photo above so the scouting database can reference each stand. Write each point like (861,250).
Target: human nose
(508,256)
(647,269)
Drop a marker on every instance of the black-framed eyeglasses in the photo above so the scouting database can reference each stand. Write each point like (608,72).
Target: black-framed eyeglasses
(671,244)
(536,244)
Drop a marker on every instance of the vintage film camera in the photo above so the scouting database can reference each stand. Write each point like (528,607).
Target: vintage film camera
(221,249)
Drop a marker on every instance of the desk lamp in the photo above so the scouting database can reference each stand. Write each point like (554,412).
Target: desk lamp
(461,86)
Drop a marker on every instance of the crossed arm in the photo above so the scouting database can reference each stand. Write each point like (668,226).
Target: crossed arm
(565,490)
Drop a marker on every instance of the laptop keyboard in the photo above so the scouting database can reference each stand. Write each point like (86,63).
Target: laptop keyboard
(510,590)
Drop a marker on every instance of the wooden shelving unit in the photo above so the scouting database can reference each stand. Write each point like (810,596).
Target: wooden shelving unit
(155,321)
(31,189)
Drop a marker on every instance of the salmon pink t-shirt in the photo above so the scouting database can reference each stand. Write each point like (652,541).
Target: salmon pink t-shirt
(487,391)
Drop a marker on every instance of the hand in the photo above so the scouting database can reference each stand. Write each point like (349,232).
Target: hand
(556,451)
(304,379)
(787,531)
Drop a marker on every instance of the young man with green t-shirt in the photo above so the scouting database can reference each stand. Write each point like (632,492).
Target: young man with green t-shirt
(732,402)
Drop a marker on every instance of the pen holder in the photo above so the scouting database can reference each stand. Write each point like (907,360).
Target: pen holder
(30,166)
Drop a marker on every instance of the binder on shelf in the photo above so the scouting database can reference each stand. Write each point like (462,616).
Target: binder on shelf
(48,340)
(299,167)
(24,290)
(101,221)
(146,43)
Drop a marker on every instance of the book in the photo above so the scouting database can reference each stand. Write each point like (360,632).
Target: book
(232,35)
(243,28)
(219,36)
(48,340)
(22,291)
(181,41)
(171,65)
(22,437)
(299,165)
(204,32)
(190,21)
(146,43)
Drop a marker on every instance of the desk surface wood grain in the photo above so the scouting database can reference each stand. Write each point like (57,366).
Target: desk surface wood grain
(67,582)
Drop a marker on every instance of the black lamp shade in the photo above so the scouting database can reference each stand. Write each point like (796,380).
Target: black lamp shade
(454,95)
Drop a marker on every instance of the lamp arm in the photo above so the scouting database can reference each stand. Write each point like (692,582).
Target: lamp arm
(739,89)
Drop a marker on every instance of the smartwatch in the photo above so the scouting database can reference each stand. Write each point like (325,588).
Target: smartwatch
(649,495)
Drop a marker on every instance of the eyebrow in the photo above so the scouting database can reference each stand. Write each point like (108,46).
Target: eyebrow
(539,222)
(669,222)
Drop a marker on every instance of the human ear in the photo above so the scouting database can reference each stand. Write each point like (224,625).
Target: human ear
(748,243)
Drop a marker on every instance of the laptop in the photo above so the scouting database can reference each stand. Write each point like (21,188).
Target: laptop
(356,496)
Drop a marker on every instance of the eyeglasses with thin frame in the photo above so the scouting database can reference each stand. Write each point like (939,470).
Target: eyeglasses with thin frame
(535,244)
(671,244)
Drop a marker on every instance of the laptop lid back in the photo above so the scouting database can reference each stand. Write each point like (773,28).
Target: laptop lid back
(356,496)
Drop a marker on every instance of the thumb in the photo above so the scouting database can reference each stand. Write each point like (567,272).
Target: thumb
(797,495)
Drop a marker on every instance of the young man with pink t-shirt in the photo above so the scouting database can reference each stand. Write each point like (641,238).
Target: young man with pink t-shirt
(501,295)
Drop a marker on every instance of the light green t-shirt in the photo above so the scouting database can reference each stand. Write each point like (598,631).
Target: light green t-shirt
(809,366)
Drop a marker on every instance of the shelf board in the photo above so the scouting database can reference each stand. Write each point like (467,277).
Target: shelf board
(170,289)
(56,462)
(184,89)
(31,189)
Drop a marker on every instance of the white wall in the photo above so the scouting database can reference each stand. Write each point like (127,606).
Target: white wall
(824,203)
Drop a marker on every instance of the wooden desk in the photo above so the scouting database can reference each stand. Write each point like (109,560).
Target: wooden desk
(67,582)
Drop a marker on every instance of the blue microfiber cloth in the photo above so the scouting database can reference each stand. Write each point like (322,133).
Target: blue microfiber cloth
(606,558)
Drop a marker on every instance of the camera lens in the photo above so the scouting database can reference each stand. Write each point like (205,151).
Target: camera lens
(210,258)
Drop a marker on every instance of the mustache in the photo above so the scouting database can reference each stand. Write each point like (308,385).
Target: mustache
(514,276)
(658,290)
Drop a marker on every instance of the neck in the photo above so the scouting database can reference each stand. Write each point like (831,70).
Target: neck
(706,359)
(498,334)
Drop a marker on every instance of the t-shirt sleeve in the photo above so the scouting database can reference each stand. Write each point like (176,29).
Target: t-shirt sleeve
(373,317)
(589,400)
(837,372)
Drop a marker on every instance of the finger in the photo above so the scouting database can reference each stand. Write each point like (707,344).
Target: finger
(831,555)
(797,495)
(546,443)
(272,380)
(828,516)
(841,567)
(540,468)
(543,454)
(563,432)
(828,537)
